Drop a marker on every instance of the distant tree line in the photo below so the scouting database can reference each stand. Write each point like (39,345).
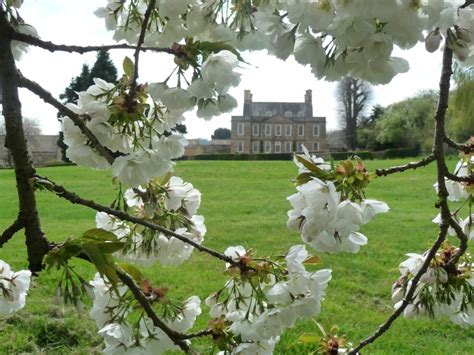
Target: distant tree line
(405,124)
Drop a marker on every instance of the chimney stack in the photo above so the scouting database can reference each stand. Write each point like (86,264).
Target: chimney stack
(308,97)
(247,96)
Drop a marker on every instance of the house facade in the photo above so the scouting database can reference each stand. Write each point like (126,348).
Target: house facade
(277,127)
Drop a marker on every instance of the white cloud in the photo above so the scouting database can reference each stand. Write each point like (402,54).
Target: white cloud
(269,79)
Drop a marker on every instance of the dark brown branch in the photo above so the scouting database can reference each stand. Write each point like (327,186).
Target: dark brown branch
(438,153)
(9,232)
(409,295)
(75,199)
(36,242)
(176,337)
(199,334)
(465,148)
(398,169)
(136,55)
(52,47)
(468,179)
(463,239)
(78,120)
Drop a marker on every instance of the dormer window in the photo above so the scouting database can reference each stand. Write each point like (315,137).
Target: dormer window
(300,114)
(268,113)
(288,114)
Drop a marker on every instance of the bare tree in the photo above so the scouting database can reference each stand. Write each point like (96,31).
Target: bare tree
(353,96)
(30,126)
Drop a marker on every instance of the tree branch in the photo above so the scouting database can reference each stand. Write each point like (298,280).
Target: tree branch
(75,199)
(438,153)
(413,165)
(463,239)
(466,148)
(176,337)
(9,232)
(136,55)
(36,242)
(468,179)
(78,120)
(52,47)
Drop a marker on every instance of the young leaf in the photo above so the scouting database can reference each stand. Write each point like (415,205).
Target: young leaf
(128,67)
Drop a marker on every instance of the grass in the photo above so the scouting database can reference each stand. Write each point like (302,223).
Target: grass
(244,203)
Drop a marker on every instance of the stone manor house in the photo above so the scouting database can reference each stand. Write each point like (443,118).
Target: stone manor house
(277,127)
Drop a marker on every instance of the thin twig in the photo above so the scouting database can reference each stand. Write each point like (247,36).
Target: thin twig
(176,337)
(47,97)
(9,232)
(413,165)
(136,55)
(199,334)
(463,239)
(409,295)
(141,39)
(72,197)
(466,148)
(53,47)
(438,153)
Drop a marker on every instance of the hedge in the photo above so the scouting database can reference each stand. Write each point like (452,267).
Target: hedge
(230,156)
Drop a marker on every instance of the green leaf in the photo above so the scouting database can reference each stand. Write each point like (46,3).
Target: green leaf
(128,67)
(100,235)
(132,271)
(307,164)
(110,247)
(101,261)
(308,338)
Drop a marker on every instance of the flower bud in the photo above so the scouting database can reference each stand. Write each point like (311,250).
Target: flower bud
(460,48)
(433,41)
(464,34)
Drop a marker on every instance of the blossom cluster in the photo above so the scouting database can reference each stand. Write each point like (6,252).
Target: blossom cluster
(172,204)
(111,311)
(13,288)
(443,290)
(334,37)
(327,219)
(260,301)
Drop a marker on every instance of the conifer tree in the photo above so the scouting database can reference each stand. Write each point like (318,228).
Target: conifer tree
(103,68)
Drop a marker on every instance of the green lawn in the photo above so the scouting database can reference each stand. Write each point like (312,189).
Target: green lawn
(244,203)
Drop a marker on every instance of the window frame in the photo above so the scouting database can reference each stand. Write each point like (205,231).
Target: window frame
(301,128)
(290,131)
(278,144)
(240,146)
(257,126)
(269,126)
(256,144)
(316,134)
(278,129)
(269,145)
(240,129)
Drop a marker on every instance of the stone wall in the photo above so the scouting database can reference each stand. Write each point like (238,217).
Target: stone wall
(43,149)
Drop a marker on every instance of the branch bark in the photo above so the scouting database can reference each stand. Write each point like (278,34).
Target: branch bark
(414,165)
(75,199)
(15,227)
(53,47)
(36,242)
(466,148)
(47,97)
(176,337)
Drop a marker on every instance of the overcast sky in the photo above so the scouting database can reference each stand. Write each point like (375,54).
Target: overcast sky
(269,79)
